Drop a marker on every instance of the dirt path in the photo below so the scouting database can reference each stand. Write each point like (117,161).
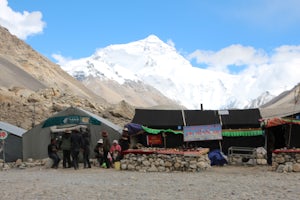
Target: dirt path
(216,183)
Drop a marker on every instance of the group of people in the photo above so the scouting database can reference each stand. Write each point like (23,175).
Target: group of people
(108,154)
(73,142)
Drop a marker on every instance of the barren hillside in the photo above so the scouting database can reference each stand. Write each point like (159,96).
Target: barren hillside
(33,88)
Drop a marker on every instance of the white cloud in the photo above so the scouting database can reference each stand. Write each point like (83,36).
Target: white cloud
(234,55)
(20,24)
(61,60)
(274,72)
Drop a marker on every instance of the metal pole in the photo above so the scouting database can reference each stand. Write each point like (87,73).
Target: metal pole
(3,151)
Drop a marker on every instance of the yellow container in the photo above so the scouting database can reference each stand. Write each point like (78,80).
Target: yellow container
(117,165)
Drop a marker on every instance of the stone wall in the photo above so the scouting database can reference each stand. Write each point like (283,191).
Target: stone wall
(164,163)
(286,162)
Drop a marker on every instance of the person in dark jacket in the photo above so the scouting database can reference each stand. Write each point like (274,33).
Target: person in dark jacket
(106,148)
(52,153)
(124,141)
(86,150)
(76,145)
(65,146)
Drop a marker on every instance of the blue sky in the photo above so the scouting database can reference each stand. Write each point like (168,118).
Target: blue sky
(201,30)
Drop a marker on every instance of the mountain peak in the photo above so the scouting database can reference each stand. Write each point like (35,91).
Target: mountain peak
(153,38)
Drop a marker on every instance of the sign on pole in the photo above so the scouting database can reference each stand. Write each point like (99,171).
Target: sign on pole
(202,133)
(3,135)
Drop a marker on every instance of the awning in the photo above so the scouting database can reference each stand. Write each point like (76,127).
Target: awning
(241,133)
(157,131)
(280,121)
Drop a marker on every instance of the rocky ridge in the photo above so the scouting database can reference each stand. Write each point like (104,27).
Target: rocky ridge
(25,108)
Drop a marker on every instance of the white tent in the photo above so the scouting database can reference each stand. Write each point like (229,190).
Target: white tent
(36,140)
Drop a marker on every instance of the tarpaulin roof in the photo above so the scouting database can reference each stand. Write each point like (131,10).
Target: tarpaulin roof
(201,117)
(246,118)
(157,131)
(280,121)
(12,129)
(133,128)
(149,117)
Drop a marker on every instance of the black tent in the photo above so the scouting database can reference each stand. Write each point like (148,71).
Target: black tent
(161,119)
(242,128)
(239,127)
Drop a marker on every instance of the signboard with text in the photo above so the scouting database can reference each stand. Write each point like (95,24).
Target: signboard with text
(202,133)
(154,140)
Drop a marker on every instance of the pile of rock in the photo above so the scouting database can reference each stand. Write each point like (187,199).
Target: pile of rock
(286,162)
(261,156)
(27,164)
(165,162)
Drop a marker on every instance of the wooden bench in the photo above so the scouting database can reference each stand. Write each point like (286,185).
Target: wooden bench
(243,152)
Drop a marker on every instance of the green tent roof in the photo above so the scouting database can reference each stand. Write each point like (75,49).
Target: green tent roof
(157,131)
(225,133)
(71,119)
(241,133)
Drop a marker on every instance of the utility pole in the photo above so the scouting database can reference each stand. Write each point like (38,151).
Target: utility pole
(33,115)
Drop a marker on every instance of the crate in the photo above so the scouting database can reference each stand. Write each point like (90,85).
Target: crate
(242,152)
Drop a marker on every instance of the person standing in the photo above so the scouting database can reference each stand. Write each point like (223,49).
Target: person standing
(124,141)
(106,148)
(86,150)
(52,153)
(99,153)
(65,146)
(76,144)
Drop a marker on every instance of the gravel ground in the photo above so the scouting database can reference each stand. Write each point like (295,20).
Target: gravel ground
(229,182)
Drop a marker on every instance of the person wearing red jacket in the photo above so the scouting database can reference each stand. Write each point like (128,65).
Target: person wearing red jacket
(115,151)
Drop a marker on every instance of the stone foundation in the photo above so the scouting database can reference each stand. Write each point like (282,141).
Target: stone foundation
(165,163)
(286,161)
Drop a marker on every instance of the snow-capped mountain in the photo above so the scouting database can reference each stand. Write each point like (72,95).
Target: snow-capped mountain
(154,63)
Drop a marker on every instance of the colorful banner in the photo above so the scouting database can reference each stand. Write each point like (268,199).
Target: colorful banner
(71,119)
(203,132)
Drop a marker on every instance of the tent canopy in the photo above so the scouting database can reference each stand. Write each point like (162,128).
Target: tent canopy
(277,121)
(71,119)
